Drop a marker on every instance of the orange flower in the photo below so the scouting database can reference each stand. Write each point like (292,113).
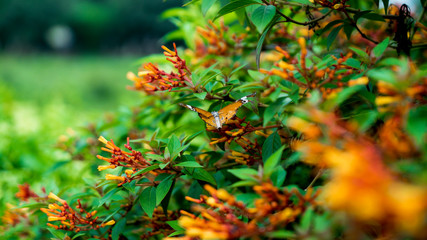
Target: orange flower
(25,192)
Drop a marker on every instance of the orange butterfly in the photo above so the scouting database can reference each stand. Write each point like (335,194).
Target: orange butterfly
(217,119)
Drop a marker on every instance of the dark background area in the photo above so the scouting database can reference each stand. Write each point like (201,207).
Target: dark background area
(96,26)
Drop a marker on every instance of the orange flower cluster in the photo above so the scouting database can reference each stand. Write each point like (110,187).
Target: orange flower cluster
(217,43)
(235,130)
(215,37)
(70,219)
(398,98)
(13,216)
(151,79)
(408,90)
(132,159)
(223,219)
(360,184)
(25,193)
(312,77)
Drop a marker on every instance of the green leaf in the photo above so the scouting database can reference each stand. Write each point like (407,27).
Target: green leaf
(380,48)
(359,14)
(237,69)
(145,170)
(342,96)
(278,176)
(176,233)
(163,188)
(155,156)
(233,6)
(174,224)
(386,75)
(307,219)
(282,234)
(373,17)
(107,196)
(262,16)
(275,108)
(262,38)
(57,233)
(348,30)
(272,162)
(330,25)
(271,144)
(364,56)
(78,235)
(247,198)
(244,183)
(148,200)
(173,144)
(354,63)
(167,198)
(113,212)
(163,165)
(366,119)
(193,136)
(31,205)
(244,173)
(190,164)
(200,174)
(201,95)
(305,2)
(385,2)
(118,229)
(417,124)
(190,2)
(332,35)
(206,5)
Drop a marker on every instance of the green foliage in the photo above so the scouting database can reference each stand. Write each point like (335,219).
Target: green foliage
(312,122)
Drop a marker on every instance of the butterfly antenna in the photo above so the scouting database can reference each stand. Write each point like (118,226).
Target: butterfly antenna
(319,173)
(251,95)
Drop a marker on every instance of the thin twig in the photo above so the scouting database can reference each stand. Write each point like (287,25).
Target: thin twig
(350,10)
(288,19)
(357,28)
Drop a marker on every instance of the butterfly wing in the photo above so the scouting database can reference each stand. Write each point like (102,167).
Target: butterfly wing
(229,111)
(206,116)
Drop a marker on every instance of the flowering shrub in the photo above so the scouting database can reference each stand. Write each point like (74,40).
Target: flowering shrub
(309,123)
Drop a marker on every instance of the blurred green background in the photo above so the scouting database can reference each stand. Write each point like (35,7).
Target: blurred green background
(63,64)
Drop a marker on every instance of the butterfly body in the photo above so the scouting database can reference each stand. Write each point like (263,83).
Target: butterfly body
(217,118)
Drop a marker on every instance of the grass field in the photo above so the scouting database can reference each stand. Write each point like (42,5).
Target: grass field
(85,83)
(43,96)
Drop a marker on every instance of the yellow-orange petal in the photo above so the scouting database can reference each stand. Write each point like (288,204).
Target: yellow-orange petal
(103,140)
(168,50)
(129,172)
(51,225)
(302,42)
(287,66)
(379,101)
(53,218)
(359,81)
(109,223)
(259,133)
(338,6)
(143,73)
(56,198)
(114,177)
(103,167)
